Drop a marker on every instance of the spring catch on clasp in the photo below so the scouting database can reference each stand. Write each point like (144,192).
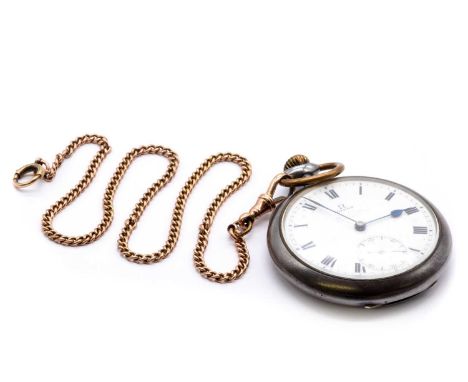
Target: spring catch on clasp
(298,171)
(32,172)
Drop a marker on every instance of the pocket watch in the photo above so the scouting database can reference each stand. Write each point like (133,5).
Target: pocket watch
(354,240)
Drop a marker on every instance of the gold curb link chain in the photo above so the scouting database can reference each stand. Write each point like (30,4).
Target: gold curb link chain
(41,170)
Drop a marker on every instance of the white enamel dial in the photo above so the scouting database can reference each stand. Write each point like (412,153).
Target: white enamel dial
(360,228)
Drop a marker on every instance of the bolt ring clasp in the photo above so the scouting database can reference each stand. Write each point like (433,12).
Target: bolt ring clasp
(36,172)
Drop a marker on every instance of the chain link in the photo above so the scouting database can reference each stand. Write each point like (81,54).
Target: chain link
(131,223)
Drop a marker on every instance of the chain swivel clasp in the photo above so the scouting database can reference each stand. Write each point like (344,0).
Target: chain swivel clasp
(298,172)
(265,203)
(35,171)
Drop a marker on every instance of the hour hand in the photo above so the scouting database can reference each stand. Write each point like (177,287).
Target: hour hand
(361,226)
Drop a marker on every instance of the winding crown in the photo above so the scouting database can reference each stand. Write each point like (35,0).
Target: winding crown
(296,160)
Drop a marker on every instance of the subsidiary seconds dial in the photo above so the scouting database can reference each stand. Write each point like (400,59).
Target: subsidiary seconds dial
(360,228)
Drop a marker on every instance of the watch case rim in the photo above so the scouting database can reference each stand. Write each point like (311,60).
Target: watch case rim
(358,292)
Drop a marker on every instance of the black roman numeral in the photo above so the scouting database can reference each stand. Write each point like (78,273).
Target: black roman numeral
(332,194)
(420,230)
(310,244)
(309,206)
(358,268)
(329,261)
(411,210)
(390,196)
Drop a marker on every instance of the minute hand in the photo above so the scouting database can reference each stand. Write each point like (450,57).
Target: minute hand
(329,209)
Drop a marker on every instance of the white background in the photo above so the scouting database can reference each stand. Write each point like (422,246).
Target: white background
(380,86)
